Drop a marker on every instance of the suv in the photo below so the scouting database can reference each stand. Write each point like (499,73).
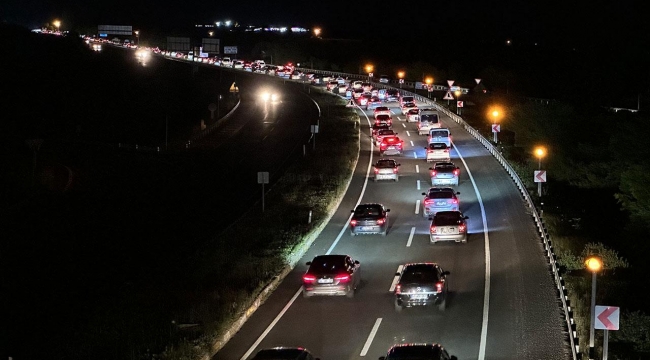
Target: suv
(382,110)
(448,226)
(331,275)
(381,133)
(369,219)
(421,284)
(386,169)
(392,95)
(442,135)
(439,199)
(284,353)
(418,352)
(428,120)
(383,119)
(444,173)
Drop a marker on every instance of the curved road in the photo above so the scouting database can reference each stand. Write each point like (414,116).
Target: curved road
(502,305)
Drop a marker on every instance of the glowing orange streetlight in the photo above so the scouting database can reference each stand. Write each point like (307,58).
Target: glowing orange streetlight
(594,264)
(57,23)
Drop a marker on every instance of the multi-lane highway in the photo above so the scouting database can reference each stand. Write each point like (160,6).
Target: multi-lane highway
(502,305)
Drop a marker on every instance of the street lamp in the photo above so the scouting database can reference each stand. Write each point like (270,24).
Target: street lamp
(429,81)
(137,37)
(594,264)
(317,32)
(57,23)
(369,69)
(540,152)
(496,114)
(400,75)
(457,93)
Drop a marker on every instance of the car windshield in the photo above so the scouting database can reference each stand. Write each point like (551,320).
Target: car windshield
(437,146)
(407,99)
(328,263)
(386,163)
(445,167)
(440,194)
(429,118)
(420,273)
(447,218)
(368,210)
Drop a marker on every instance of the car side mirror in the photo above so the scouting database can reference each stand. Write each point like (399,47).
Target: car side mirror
(308,263)
(424,194)
(430,168)
(445,273)
(399,165)
(356,262)
(465,217)
(425,148)
(387,210)
(457,192)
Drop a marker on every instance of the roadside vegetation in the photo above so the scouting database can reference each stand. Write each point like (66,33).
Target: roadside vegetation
(596,202)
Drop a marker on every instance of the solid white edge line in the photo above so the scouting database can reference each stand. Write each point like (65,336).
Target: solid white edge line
(418,184)
(410,240)
(363,191)
(395,278)
(486,292)
(417,168)
(268,329)
(417,207)
(373,332)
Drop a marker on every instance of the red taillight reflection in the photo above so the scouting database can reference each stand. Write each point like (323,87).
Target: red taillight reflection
(433,173)
(376,171)
(462,228)
(394,170)
(398,289)
(353,222)
(381,221)
(308,279)
(439,286)
(343,278)
(456,172)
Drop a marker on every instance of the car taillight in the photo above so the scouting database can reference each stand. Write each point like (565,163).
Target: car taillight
(433,173)
(456,172)
(447,149)
(381,221)
(433,229)
(308,279)
(343,278)
(439,286)
(398,289)
(454,201)
(376,171)
(462,228)
(395,170)
(353,222)
(428,201)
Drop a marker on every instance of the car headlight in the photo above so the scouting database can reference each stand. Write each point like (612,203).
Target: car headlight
(266,96)
(274,97)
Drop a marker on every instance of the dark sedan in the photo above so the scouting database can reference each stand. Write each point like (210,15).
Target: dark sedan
(421,284)
(331,275)
(369,219)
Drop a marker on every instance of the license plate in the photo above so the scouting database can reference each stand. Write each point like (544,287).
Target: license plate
(325,281)
(419,297)
(391,148)
(441,203)
(367,227)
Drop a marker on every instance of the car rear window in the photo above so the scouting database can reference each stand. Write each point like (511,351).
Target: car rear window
(407,99)
(328,263)
(440,194)
(445,167)
(382,117)
(420,273)
(368,210)
(432,118)
(447,218)
(386,163)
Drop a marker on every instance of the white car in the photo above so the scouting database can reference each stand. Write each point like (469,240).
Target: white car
(438,152)
(238,64)
(413,115)
(227,62)
(439,135)
(357,84)
(384,79)
(382,110)
(406,107)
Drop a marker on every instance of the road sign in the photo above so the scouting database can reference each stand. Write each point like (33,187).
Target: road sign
(263,177)
(234,88)
(448,96)
(370,74)
(478,81)
(607,317)
(450,82)
(401,81)
(230,50)
(459,103)
(540,176)
(496,128)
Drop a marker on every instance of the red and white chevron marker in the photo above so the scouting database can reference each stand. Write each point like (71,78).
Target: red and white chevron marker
(607,317)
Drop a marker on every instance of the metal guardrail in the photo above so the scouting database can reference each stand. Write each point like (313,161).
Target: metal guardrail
(541,228)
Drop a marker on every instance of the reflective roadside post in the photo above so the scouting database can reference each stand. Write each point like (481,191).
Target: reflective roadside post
(594,264)
(263,178)
(400,75)
(540,152)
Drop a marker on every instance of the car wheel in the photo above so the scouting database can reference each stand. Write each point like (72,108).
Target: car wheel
(350,292)
(398,307)
(396,178)
(443,304)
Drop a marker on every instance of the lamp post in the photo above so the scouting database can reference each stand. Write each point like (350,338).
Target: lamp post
(540,152)
(594,264)
(429,82)
(137,37)
(369,69)
(457,93)
(495,117)
(400,75)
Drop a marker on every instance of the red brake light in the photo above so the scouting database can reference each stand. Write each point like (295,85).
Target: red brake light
(447,149)
(428,201)
(343,278)
(439,286)
(308,278)
(398,289)
(433,229)
(454,201)
(376,171)
(381,221)
(353,222)
(394,170)
(462,228)
(456,172)
(433,173)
